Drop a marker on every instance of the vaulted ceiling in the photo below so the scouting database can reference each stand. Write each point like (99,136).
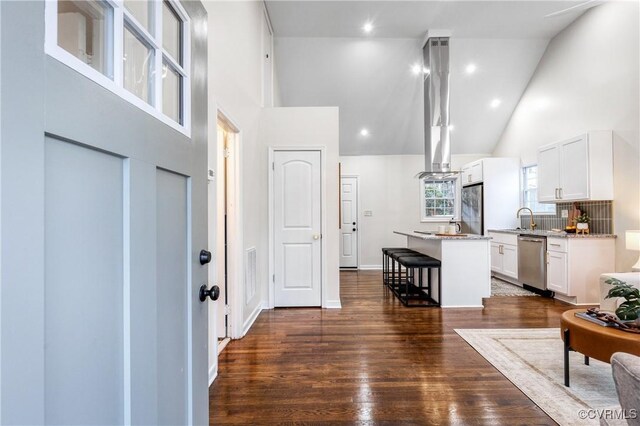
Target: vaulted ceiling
(324,58)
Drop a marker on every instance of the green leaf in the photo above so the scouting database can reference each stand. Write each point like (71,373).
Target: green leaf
(628,311)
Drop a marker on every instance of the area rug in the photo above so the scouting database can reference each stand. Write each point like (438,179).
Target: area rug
(503,288)
(532,359)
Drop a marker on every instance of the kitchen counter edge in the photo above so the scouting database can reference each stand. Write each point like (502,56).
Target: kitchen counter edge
(438,237)
(551,234)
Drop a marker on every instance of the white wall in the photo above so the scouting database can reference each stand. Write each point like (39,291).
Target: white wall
(312,127)
(588,80)
(388,187)
(235,86)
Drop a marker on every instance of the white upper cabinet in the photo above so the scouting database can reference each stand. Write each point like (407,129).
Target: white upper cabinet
(580,168)
(548,173)
(472,173)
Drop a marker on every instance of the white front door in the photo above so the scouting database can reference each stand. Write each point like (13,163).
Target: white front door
(104,215)
(349,222)
(297,228)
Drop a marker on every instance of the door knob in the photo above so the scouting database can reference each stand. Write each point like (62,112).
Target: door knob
(213,293)
(354,223)
(354,229)
(316,236)
(205,257)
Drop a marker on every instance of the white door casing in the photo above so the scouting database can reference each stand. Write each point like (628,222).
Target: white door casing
(349,222)
(297,210)
(106,207)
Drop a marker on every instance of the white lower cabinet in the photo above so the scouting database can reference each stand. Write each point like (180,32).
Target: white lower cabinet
(510,260)
(574,266)
(557,272)
(504,254)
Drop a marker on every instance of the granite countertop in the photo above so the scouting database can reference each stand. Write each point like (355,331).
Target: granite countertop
(433,236)
(551,234)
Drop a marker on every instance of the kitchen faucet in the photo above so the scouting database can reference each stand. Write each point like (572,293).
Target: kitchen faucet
(532,224)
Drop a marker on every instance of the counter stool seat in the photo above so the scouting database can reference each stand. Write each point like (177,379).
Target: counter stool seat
(411,291)
(386,252)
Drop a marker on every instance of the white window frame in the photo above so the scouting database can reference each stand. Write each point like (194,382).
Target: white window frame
(456,202)
(523,182)
(120,14)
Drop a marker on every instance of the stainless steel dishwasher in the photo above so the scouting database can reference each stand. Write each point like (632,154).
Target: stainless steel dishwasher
(532,262)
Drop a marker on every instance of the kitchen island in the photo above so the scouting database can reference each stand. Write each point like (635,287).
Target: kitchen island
(466,266)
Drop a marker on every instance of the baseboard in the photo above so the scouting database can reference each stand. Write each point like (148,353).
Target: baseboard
(213,373)
(332,304)
(252,318)
(265,305)
(462,307)
(370,267)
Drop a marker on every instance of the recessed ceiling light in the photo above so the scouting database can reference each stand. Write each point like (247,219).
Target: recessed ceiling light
(416,68)
(471,68)
(364,132)
(495,103)
(367,27)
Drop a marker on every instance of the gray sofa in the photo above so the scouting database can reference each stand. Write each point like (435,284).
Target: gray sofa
(626,375)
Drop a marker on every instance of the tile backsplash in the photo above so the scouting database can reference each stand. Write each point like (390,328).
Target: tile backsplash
(600,212)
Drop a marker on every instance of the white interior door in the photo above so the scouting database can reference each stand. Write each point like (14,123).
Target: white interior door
(297,228)
(104,214)
(349,222)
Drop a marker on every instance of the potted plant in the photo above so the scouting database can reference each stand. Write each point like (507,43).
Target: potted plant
(582,222)
(630,308)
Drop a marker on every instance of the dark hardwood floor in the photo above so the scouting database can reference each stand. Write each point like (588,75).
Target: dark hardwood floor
(374,362)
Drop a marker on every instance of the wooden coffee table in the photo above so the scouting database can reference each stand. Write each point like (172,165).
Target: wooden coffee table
(593,340)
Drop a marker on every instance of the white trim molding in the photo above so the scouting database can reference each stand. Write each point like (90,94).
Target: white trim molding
(370,267)
(332,304)
(252,318)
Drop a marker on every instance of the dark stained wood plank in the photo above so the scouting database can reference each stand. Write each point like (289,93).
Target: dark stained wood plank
(374,362)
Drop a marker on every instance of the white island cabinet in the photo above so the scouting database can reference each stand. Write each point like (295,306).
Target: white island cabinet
(465,274)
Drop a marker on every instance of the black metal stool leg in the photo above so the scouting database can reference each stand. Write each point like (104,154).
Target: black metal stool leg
(567,348)
(586,360)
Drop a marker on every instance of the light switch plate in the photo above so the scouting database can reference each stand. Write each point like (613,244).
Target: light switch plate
(368,213)
(565,213)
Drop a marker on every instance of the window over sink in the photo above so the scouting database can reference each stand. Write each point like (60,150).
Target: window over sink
(439,199)
(530,192)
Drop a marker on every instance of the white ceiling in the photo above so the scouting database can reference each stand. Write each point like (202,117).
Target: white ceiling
(324,59)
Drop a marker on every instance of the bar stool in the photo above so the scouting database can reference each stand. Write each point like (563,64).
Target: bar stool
(386,252)
(415,291)
(393,278)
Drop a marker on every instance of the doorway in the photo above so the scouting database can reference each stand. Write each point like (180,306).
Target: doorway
(349,226)
(226,225)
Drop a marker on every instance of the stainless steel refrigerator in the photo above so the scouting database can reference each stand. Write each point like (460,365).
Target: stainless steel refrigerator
(472,210)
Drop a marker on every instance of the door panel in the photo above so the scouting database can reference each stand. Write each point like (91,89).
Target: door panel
(99,292)
(510,260)
(548,173)
(575,169)
(349,222)
(172,220)
(298,266)
(496,258)
(297,228)
(84,285)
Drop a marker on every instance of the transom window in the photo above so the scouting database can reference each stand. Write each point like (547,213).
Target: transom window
(438,199)
(138,49)
(530,192)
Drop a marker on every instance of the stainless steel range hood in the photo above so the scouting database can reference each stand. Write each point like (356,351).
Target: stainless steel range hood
(437,142)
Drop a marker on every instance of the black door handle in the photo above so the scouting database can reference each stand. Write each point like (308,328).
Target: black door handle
(354,223)
(205,257)
(213,293)
(354,229)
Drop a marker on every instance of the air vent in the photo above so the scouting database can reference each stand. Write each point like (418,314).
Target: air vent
(250,275)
